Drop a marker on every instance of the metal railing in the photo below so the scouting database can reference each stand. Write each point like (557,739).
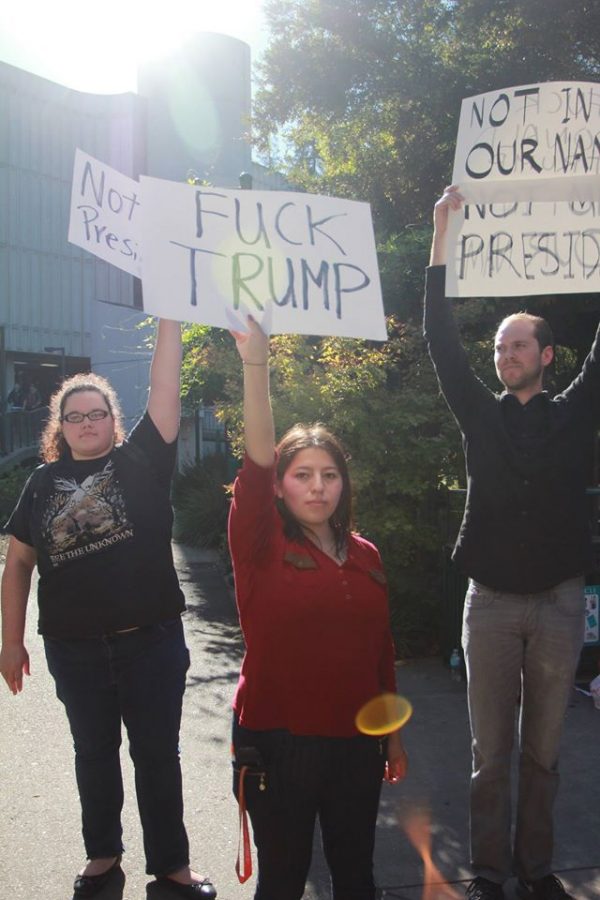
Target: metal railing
(20,433)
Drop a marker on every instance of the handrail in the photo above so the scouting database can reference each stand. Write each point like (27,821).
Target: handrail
(20,429)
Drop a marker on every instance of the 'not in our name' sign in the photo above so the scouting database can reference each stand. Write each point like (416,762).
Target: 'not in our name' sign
(528,164)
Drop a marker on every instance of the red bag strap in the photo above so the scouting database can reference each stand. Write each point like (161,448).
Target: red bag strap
(243,866)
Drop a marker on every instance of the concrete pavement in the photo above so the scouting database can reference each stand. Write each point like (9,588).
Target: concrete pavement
(40,844)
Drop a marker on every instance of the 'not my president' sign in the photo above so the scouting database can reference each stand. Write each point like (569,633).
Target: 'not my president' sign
(528,164)
(299,263)
(105,215)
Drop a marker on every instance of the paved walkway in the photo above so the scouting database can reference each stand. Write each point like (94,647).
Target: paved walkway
(40,845)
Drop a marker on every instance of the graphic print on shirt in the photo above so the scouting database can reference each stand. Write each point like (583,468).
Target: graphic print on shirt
(86,517)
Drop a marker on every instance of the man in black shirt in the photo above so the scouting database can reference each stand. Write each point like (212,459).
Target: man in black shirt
(524,542)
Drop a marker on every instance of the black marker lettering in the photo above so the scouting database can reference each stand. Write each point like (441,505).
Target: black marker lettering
(501,251)
(339,290)
(495,122)
(465,253)
(239,280)
(529,92)
(200,211)
(192,260)
(320,279)
(314,226)
(98,191)
(290,293)
(278,229)
(261,230)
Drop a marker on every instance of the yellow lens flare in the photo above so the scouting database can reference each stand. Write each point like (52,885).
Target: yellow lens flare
(383,714)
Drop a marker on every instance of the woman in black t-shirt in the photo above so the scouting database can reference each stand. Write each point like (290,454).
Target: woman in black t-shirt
(96,520)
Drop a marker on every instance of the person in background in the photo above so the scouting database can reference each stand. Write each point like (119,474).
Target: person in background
(313,607)
(32,398)
(96,520)
(525,544)
(16,396)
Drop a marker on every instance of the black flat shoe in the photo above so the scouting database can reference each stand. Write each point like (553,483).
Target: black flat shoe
(197,890)
(89,885)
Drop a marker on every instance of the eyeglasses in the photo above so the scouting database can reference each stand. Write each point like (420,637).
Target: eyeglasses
(75,418)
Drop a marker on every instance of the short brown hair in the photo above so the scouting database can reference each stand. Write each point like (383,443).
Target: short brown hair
(541,330)
(52,442)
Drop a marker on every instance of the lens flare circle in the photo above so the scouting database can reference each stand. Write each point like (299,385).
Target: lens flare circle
(383,714)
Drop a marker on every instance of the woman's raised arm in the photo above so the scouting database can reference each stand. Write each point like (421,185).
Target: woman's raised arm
(259,431)
(164,405)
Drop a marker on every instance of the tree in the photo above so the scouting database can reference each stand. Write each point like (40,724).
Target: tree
(374,87)
(383,402)
(366,96)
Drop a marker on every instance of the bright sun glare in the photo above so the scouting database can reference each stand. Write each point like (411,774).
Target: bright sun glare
(98,48)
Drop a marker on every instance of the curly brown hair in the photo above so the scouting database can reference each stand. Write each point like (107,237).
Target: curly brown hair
(52,442)
(301,437)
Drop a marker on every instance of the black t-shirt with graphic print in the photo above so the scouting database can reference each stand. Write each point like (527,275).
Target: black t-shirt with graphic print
(102,532)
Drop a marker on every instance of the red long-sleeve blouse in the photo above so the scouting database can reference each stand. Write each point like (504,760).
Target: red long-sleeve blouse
(318,641)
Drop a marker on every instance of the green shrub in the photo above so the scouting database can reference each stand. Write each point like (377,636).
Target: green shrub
(11,485)
(201,503)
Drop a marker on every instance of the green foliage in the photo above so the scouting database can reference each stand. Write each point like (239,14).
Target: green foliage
(203,378)
(364,97)
(382,401)
(366,93)
(11,485)
(201,505)
(402,260)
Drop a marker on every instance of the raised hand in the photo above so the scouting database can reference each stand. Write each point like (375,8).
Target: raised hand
(252,345)
(450,199)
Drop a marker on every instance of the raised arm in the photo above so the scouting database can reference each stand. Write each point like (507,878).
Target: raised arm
(164,405)
(464,392)
(259,432)
(16,581)
(450,199)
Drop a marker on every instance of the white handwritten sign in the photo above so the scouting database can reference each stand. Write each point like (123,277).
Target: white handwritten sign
(299,263)
(105,213)
(534,142)
(521,248)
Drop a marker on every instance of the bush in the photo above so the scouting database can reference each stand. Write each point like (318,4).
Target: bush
(201,503)
(11,485)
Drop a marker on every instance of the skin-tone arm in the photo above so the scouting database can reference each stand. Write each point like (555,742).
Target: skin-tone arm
(259,431)
(450,199)
(16,582)
(397,759)
(164,405)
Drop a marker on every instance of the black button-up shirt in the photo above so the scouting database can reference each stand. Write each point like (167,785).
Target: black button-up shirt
(526,521)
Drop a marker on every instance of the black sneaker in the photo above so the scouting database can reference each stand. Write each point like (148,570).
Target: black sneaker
(547,888)
(484,889)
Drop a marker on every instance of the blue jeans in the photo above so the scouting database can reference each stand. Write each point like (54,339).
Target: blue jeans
(294,779)
(137,677)
(527,645)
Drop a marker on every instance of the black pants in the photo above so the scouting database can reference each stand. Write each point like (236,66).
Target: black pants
(293,780)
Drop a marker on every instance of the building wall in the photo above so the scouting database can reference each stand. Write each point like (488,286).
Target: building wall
(191,113)
(198,110)
(47,286)
(50,290)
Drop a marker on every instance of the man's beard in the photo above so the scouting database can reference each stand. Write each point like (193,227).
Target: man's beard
(526,380)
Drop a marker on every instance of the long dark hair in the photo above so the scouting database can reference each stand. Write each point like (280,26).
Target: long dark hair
(52,442)
(302,437)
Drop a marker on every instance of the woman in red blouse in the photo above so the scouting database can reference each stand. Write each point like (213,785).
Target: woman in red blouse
(313,608)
